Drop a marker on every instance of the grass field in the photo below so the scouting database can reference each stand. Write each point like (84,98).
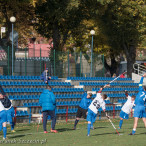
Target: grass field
(103,135)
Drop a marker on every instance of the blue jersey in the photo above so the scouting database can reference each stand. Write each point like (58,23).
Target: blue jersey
(141,96)
(85,102)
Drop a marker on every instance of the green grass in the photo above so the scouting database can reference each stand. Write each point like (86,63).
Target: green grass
(103,135)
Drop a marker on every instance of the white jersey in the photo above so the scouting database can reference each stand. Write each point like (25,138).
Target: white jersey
(128,105)
(97,103)
(1,107)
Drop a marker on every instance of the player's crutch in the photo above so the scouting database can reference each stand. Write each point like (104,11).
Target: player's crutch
(113,126)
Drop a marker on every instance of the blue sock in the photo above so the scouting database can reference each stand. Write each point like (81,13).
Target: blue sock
(120,123)
(4,131)
(133,131)
(1,127)
(12,126)
(91,124)
(88,128)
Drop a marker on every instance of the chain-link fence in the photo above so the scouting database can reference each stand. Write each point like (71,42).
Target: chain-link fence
(32,62)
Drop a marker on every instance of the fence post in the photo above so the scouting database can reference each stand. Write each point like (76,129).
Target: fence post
(8,60)
(25,61)
(80,62)
(40,62)
(54,62)
(68,64)
(75,64)
(103,64)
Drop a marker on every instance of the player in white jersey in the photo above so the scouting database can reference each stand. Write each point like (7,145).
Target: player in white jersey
(3,118)
(126,109)
(94,106)
(9,108)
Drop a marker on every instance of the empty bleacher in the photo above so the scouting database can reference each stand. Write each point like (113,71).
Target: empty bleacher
(24,91)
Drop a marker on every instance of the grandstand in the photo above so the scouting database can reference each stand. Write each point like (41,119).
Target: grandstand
(24,92)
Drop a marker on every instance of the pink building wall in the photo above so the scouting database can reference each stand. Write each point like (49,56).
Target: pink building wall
(34,50)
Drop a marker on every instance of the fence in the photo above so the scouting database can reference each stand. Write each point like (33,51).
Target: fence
(29,62)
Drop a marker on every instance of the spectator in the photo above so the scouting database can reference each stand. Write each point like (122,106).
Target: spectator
(44,76)
(122,75)
(48,103)
(114,75)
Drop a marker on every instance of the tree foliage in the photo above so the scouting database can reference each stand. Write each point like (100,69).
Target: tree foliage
(56,18)
(123,23)
(24,12)
(119,25)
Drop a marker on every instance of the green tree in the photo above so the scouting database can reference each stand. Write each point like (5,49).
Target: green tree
(122,22)
(57,18)
(24,12)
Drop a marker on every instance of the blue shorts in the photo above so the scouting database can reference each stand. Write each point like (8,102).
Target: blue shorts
(124,115)
(91,116)
(3,117)
(139,112)
(10,114)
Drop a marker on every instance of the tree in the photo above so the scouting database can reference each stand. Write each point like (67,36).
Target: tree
(24,12)
(56,18)
(123,22)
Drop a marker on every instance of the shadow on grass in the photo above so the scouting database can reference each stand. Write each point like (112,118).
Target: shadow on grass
(137,127)
(141,133)
(64,129)
(106,133)
(100,127)
(18,136)
(22,130)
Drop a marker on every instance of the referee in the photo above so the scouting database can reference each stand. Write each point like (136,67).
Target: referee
(83,107)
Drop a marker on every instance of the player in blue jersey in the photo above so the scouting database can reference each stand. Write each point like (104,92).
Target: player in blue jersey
(3,118)
(126,109)
(83,107)
(139,111)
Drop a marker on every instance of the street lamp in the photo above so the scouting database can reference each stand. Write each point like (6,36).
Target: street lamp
(92,32)
(12,20)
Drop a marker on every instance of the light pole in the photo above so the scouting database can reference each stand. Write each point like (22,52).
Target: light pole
(92,32)
(12,20)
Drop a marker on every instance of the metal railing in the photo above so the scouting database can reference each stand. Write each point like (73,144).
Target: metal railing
(139,69)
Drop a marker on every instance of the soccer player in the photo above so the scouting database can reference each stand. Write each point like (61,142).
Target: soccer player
(139,110)
(94,106)
(9,109)
(126,109)
(3,118)
(83,107)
